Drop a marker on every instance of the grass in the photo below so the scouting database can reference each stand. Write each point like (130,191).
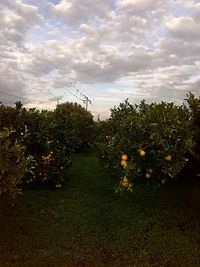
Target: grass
(87,224)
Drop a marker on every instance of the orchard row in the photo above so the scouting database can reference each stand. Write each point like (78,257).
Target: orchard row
(145,141)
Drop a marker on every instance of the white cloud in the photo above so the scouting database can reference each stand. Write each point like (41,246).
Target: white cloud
(193,4)
(137,49)
(139,5)
(76,12)
(186,28)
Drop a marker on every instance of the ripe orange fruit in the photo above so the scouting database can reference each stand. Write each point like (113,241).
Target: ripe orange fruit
(125,184)
(124,157)
(168,157)
(148,175)
(125,179)
(123,163)
(142,153)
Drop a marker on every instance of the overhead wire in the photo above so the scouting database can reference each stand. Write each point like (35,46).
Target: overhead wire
(25,98)
(18,26)
(17,96)
(36,46)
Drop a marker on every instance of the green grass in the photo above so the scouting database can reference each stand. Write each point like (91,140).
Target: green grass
(87,224)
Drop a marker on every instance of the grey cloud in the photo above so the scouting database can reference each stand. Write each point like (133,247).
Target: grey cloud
(75,12)
(139,6)
(56,98)
(185,28)
(12,85)
(140,40)
(177,47)
(26,15)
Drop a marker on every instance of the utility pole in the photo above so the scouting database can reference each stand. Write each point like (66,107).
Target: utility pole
(86,101)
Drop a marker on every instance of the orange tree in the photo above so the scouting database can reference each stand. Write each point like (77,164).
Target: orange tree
(147,140)
(70,127)
(52,137)
(14,164)
(73,125)
(194,105)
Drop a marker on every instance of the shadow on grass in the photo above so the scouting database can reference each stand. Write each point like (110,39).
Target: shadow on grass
(87,224)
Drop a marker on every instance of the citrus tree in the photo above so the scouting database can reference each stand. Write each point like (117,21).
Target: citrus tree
(52,137)
(194,105)
(14,164)
(147,141)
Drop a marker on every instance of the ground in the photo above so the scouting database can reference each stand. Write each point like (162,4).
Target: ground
(87,224)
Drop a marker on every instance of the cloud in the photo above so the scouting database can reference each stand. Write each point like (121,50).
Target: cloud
(123,48)
(19,16)
(77,12)
(139,6)
(192,4)
(185,28)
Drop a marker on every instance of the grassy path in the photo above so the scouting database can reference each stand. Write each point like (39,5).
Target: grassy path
(87,224)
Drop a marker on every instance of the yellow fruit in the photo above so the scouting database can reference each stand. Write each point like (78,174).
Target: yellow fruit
(150,170)
(168,157)
(125,180)
(142,153)
(124,163)
(124,157)
(148,175)
(126,184)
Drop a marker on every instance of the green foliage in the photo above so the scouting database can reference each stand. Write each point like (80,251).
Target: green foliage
(194,105)
(53,137)
(70,126)
(161,131)
(74,126)
(14,164)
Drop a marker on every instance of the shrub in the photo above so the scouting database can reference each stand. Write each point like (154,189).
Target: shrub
(72,126)
(154,137)
(194,105)
(13,165)
(53,137)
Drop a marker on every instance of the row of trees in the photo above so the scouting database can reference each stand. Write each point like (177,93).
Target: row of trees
(36,146)
(149,141)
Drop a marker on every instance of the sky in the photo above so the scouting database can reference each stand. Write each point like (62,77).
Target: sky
(108,50)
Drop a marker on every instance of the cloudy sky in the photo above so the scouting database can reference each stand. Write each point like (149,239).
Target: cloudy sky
(110,50)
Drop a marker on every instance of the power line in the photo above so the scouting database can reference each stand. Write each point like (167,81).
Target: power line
(86,99)
(20,97)
(22,72)
(25,98)
(18,26)
(38,46)
(75,95)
